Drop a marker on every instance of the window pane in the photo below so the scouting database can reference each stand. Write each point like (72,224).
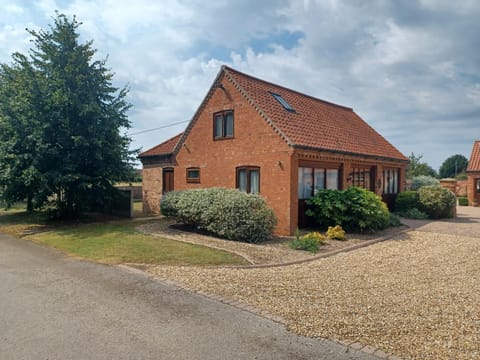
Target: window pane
(242,180)
(366,177)
(319,180)
(390,181)
(193,174)
(385,181)
(282,101)
(254,181)
(229,124)
(218,129)
(304,183)
(332,179)
(478,186)
(395,181)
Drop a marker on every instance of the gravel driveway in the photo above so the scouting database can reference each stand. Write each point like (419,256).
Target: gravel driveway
(467,223)
(416,296)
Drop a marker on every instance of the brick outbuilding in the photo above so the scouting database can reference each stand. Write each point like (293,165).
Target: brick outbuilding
(263,138)
(473,172)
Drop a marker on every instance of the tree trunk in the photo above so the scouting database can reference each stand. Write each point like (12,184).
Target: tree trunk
(29,203)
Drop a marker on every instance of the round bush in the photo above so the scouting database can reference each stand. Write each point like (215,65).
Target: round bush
(406,200)
(423,180)
(227,213)
(355,209)
(437,202)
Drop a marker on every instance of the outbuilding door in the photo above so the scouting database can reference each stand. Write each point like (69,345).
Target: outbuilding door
(167,180)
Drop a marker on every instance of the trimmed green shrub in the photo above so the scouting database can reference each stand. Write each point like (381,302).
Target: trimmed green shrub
(308,242)
(406,200)
(414,213)
(168,203)
(355,209)
(463,201)
(227,213)
(327,207)
(394,221)
(422,180)
(437,202)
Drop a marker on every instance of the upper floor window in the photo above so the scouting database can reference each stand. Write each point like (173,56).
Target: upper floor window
(223,125)
(283,102)
(248,179)
(193,175)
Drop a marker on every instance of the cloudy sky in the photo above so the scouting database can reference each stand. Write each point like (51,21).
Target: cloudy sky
(411,69)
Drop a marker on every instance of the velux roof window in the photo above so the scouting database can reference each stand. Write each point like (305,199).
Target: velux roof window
(283,102)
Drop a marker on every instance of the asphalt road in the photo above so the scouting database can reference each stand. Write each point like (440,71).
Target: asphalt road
(54,307)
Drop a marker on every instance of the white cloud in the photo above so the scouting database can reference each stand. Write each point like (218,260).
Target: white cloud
(411,70)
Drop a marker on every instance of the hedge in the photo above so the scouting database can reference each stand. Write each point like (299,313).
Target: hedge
(227,213)
(407,200)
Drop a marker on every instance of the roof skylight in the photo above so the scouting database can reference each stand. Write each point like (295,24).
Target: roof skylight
(283,102)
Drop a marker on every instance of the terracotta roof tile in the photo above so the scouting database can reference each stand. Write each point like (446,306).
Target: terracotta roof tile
(314,123)
(474,163)
(164,148)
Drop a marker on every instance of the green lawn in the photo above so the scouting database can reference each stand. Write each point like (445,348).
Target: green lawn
(111,243)
(15,221)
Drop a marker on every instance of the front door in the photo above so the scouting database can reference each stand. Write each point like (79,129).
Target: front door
(167,180)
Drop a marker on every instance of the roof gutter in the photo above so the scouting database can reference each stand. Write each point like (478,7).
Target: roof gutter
(377,157)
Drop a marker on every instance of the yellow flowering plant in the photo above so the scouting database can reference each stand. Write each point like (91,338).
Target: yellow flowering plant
(336,232)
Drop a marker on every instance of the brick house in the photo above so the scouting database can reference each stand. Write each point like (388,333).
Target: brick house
(264,138)
(473,172)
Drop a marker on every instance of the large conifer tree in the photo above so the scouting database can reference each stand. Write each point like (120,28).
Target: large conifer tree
(61,114)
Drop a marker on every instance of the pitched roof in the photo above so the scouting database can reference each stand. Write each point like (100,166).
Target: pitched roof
(165,148)
(314,123)
(474,163)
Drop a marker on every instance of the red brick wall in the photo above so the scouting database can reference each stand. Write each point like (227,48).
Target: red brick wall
(254,143)
(473,197)
(461,188)
(152,189)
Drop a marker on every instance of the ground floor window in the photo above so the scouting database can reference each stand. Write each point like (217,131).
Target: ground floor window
(390,181)
(311,180)
(193,175)
(361,177)
(248,179)
(478,186)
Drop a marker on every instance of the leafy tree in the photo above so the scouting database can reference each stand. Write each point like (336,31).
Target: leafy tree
(19,131)
(453,166)
(69,145)
(417,168)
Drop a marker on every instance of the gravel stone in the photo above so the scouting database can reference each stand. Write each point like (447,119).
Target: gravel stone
(276,251)
(415,296)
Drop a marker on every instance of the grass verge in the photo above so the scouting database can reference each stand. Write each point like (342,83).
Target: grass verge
(120,243)
(16,221)
(111,243)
